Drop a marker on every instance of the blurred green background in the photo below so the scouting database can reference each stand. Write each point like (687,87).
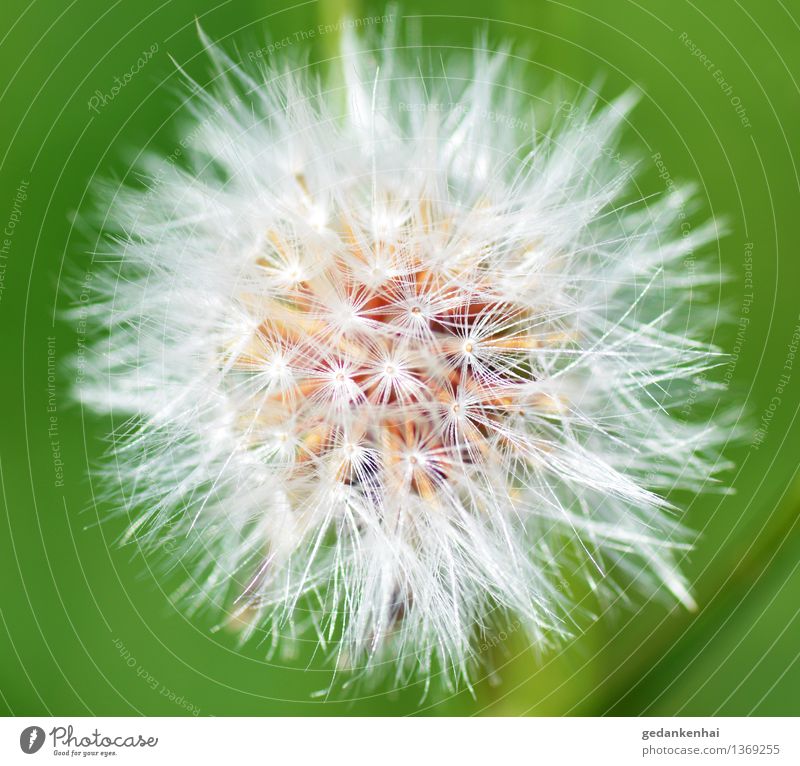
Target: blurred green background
(86,628)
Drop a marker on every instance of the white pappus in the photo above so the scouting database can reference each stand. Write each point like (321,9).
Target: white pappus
(395,364)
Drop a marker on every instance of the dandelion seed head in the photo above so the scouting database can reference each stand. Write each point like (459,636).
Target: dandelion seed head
(400,372)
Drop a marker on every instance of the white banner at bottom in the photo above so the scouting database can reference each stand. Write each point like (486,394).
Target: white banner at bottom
(401,741)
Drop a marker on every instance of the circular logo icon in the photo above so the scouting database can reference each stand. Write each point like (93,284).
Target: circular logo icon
(31,739)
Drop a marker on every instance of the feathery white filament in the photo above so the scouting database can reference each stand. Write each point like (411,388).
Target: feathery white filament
(411,362)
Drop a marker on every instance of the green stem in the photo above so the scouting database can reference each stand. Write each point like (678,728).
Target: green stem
(330,15)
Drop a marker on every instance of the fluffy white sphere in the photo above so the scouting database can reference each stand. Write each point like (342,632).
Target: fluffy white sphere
(394,372)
